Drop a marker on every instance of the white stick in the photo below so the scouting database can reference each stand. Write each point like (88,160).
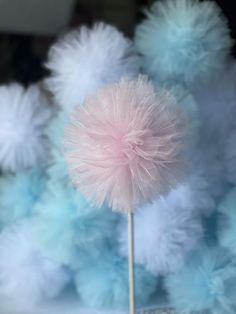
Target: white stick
(132,309)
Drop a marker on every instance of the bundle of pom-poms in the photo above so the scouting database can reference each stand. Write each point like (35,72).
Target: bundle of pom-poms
(54,243)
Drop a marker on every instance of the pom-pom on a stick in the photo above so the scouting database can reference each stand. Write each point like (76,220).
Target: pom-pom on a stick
(123,148)
(124,144)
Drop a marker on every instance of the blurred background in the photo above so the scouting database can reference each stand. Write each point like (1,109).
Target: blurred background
(29,27)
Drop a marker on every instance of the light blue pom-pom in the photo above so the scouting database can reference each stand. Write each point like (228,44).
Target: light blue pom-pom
(183,40)
(66,222)
(227,222)
(57,169)
(19,193)
(103,283)
(56,129)
(188,105)
(206,284)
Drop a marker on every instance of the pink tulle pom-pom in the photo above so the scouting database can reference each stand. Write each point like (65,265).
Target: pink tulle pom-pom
(124,144)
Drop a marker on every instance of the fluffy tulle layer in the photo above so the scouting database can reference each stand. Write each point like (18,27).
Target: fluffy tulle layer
(56,130)
(183,40)
(19,193)
(192,195)
(165,233)
(207,162)
(27,276)
(57,169)
(64,214)
(217,103)
(103,283)
(227,221)
(124,145)
(185,100)
(87,59)
(24,114)
(206,284)
(230,157)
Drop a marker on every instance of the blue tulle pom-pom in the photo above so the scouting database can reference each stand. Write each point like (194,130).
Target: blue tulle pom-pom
(56,129)
(18,194)
(66,222)
(103,282)
(57,169)
(185,100)
(227,222)
(28,277)
(206,284)
(183,40)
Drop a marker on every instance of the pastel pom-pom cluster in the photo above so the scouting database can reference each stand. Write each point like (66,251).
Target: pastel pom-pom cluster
(206,283)
(51,236)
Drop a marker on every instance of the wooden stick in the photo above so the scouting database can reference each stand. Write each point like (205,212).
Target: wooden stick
(132,308)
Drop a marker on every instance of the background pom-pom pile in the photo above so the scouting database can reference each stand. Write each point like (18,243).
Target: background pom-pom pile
(56,241)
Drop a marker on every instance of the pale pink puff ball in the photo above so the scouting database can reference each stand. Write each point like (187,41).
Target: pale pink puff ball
(124,144)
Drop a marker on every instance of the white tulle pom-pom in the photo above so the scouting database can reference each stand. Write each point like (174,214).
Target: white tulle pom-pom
(193,196)
(165,232)
(169,229)
(26,275)
(24,114)
(87,59)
